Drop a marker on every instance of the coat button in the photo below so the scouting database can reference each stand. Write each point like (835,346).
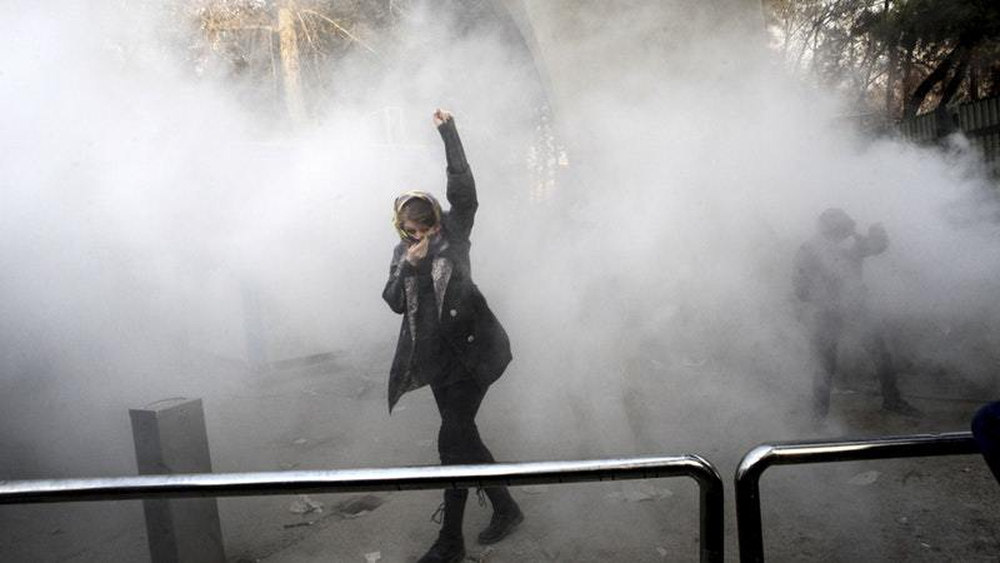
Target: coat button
(453,313)
(470,338)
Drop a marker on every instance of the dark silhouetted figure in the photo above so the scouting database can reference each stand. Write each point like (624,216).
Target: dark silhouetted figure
(986,431)
(828,282)
(449,338)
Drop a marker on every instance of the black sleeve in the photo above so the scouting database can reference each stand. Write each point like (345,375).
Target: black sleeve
(461,185)
(394,294)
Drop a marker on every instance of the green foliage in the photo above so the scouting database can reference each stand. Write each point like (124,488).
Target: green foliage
(893,56)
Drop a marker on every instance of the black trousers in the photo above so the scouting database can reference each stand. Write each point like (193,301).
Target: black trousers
(827,331)
(459,443)
(458,439)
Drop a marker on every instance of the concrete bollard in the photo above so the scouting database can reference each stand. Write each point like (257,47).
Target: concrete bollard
(170,438)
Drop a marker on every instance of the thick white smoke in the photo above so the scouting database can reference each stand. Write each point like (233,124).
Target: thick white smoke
(148,216)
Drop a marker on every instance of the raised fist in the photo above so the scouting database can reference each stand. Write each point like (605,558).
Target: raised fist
(441,116)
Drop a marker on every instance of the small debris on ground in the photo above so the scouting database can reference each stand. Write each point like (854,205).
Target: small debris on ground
(358,506)
(301,442)
(662,551)
(373,556)
(864,479)
(298,525)
(305,505)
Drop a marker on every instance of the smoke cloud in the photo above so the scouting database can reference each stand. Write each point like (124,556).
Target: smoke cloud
(646,174)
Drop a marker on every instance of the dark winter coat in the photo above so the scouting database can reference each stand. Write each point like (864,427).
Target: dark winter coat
(828,273)
(469,328)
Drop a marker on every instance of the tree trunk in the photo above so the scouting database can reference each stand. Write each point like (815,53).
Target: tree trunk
(928,83)
(906,73)
(892,64)
(951,88)
(975,80)
(890,80)
(289,42)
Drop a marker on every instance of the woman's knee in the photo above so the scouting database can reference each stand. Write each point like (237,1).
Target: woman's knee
(458,442)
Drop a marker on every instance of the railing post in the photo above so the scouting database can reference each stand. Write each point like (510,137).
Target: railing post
(711,512)
(212,485)
(749,526)
(170,438)
(757,460)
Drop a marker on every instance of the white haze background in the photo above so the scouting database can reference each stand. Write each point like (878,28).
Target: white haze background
(648,297)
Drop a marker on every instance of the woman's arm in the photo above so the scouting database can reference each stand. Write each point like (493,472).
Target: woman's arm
(461,185)
(394,294)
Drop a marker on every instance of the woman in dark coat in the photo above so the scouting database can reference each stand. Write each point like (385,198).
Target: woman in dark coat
(449,338)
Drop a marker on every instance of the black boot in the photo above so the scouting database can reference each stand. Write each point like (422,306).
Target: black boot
(450,545)
(506,516)
(448,548)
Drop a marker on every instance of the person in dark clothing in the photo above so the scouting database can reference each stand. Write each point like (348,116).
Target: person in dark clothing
(449,339)
(986,431)
(828,283)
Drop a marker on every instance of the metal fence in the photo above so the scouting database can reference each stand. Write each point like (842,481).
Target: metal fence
(711,496)
(757,460)
(386,479)
(979,121)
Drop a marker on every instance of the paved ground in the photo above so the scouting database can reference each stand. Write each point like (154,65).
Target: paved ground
(333,415)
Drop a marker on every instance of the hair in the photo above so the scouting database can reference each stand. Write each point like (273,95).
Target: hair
(418,210)
(835,221)
(415,206)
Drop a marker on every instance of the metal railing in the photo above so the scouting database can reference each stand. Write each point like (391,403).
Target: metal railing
(757,460)
(391,479)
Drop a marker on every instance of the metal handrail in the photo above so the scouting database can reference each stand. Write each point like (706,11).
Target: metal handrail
(391,479)
(757,460)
